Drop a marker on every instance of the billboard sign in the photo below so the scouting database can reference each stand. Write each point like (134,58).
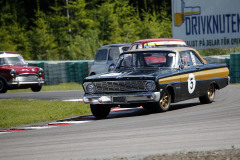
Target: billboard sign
(205,24)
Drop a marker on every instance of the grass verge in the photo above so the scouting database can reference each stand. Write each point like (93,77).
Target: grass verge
(18,112)
(58,87)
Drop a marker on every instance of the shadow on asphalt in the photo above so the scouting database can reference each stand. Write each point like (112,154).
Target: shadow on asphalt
(132,112)
(142,112)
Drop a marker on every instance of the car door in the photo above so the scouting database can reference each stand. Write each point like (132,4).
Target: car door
(189,76)
(204,72)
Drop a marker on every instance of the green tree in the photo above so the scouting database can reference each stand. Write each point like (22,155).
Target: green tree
(106,17)
(127,19)
(13,36)
(6,40)
(78,19)
(43,41)
(83,47)
(60,27)
(74,29)
(155,25)
(116,22)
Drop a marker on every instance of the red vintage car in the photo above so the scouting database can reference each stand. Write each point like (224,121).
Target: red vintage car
(158,42)
(16,74)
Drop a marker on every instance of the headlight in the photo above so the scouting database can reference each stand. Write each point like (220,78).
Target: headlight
(150,86)
(13,73)
(90,88)
(40,72)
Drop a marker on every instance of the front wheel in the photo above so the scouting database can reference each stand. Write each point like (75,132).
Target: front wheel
(3,86)
(100,111)
(209,96)
(163,104)
(36,88)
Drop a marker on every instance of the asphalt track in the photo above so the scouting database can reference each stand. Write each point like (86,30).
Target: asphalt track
(189,126)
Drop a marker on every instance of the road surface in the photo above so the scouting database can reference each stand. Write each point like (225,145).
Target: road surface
(189,126)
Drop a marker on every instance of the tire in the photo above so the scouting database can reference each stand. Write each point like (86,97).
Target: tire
(3,86)
(36,88)
(164,103)
(100,111)
(209,96)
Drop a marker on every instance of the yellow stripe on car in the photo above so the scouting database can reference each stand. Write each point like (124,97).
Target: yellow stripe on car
(208,74)
(215,73)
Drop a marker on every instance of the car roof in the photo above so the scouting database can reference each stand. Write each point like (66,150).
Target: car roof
(116,45)
(158,39)
(8,52)
(174,49)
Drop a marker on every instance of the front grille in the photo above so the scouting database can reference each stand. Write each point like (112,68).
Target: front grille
(27,78)
(119,86)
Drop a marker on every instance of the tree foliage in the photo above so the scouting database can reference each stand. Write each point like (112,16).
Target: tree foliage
(74,29)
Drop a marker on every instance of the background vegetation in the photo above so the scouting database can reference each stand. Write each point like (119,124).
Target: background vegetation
(74,29)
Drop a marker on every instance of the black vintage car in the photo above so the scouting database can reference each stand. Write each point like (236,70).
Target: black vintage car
(154,78)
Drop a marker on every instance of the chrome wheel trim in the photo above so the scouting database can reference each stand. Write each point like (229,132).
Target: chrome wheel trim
(211,91)
(165,100)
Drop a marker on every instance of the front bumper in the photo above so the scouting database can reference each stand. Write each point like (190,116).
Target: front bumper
(122,98)
(19,83)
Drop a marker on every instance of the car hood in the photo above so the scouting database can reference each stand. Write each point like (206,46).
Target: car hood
(138,74)
(21,68)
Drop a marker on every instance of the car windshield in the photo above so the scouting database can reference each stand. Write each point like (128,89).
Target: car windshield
(12,59)
(146,60)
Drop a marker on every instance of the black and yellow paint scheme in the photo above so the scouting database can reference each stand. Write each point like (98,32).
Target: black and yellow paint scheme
(204,76)
(155,87)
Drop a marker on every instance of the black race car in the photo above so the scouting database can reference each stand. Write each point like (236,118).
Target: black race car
(154,78)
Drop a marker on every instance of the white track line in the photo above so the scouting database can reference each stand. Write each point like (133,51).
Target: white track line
(73,100)
(4,132)
(71,122)
(39,127)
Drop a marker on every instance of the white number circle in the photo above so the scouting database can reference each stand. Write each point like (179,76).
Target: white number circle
(191,83)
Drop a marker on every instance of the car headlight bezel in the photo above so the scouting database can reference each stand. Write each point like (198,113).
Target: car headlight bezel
(40,72)
(89,87)
(150,86)
(13,73)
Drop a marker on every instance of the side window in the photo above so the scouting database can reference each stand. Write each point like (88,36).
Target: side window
(186,59)
(139,46)
(195,59)
(101,55)
(1,61)
(134,47)
(113,54)
(126,60)
(124,49)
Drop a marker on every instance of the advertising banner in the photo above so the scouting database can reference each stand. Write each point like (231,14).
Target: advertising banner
(205,24)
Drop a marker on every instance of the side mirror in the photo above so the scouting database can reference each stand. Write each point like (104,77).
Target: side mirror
(181,66)
(111,68)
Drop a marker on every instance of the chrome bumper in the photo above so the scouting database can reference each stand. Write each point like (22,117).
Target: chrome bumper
(122,98)
(18,83)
